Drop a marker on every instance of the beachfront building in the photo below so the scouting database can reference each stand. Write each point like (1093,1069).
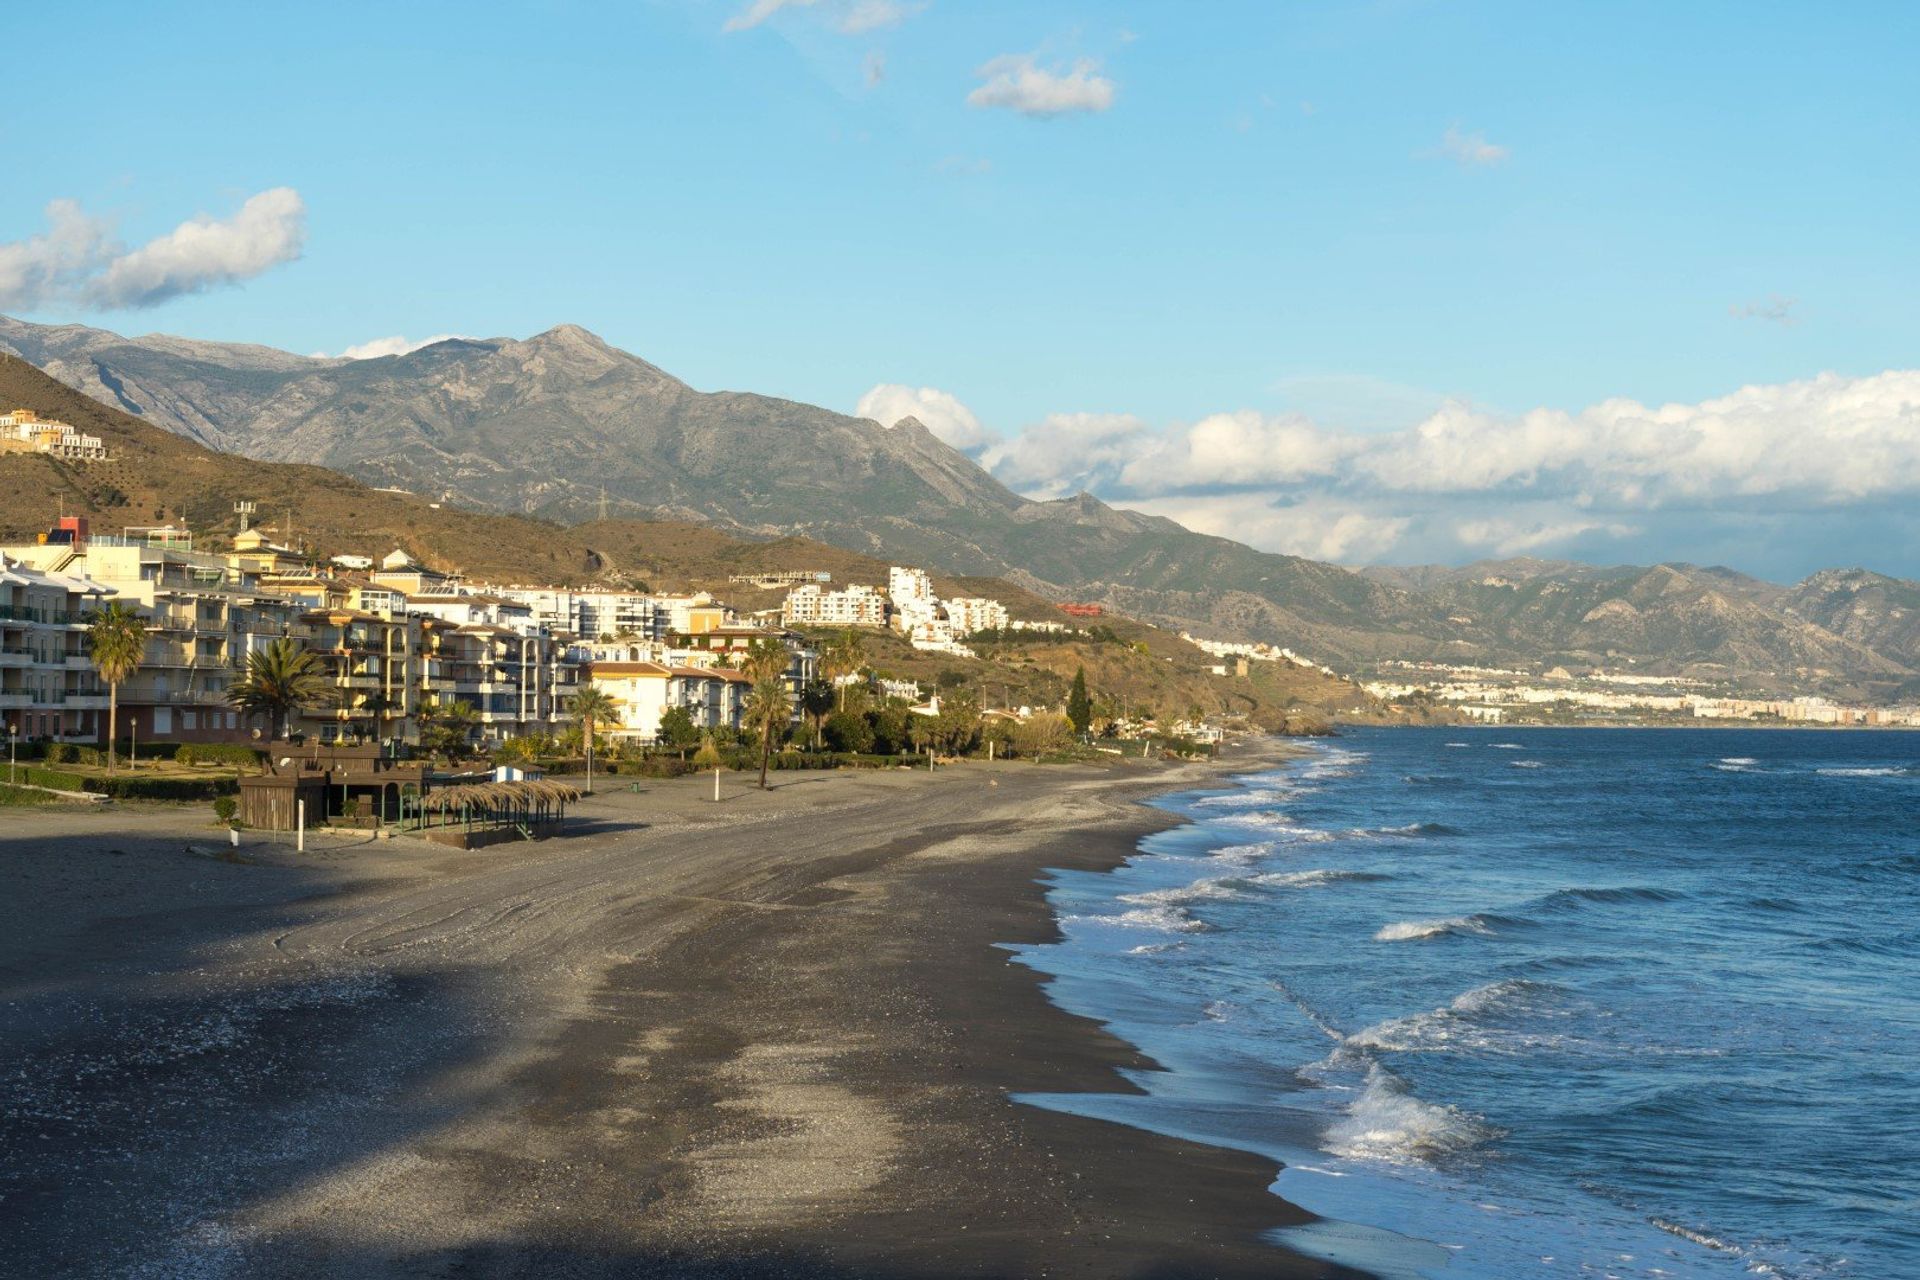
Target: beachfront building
(642,690)
(373,669)
(854,606)
(590,615)
(512,678)
(48,688)
(203,616)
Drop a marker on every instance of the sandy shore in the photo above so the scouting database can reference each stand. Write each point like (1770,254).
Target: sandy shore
(766,1037)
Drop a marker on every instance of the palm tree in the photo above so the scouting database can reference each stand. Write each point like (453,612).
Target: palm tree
(845,656)
(591,705)
(816,699)
(769,708)
(446,728)
(117,642)
(278,681)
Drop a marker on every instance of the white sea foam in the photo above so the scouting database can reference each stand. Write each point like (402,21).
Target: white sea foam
(1265,797)
(1738,760)
(1416,930)
(1311,879)
(1160,917)
(1873,772)
(1526,764)
(1458,744)
(1462,1024)
(1507,746)
(1387,1122)
(1215,887)
(1242,854)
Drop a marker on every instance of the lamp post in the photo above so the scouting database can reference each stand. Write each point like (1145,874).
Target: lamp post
(13,738)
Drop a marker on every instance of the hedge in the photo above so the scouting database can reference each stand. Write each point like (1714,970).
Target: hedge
(132,787)
(233,753)
(23,795)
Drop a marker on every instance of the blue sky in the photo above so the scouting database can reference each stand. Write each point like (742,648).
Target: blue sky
(1329,218)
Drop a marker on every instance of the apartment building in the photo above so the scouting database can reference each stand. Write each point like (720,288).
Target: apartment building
(854,606)
(203,617)
(589,615)
(968,614)
(48,689)
(24,431)
(643,690)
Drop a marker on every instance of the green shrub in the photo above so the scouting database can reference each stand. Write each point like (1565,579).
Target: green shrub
(228,753)
(657,767)
(224,807)
(57,779)
(134,788)
(89,755)
(58,753)
(23,795)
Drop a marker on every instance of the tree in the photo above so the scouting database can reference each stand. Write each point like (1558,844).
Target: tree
(958,723)
(117,642)
(446,729)
(1041,733)
(278,681)
(708,756)
(849,731)
(677,729)
(591,706)
(816,700)
(1079,705)
(845,656)
(769,708)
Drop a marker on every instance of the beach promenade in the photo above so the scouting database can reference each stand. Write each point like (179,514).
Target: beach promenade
(766,1037)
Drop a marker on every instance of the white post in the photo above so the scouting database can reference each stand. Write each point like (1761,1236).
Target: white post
(233,836)
(716,784)
(300,831)
(989,750)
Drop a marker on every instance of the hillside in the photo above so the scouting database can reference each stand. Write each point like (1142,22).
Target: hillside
(476,421)
(157,477)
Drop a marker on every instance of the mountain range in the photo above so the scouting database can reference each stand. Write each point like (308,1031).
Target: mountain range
(563,426)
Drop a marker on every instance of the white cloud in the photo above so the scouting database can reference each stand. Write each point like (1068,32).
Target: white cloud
(1244,448)
(937,410)
(1067,452)
(1465,479)
(1471,150)
(1017,82)
(1319,530)
(374,348)
(851,17)
(1773,308)
(205,253)
(78,261)
(48,267)
(1514,537)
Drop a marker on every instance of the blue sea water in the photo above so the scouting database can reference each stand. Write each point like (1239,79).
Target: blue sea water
(1532,1002)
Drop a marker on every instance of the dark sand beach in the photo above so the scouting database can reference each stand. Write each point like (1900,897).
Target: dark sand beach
(767,1037)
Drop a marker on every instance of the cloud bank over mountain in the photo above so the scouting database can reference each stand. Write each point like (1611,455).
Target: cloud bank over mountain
(1779,462)
(78,261)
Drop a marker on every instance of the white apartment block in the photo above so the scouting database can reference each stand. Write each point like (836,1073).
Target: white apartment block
(48,688)
(970,614)
(23,430)
(592,614)
(856,606)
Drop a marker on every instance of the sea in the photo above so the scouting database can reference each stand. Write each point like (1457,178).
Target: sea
(1536,1002)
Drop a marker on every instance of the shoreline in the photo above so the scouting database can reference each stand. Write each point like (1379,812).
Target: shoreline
(777,1039)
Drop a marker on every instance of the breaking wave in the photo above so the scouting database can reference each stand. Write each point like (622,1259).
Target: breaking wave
(1481,924)
(1160,917)
(1877,771)
(1387,1122)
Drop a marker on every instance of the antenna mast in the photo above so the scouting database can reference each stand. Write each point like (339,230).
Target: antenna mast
(245,511)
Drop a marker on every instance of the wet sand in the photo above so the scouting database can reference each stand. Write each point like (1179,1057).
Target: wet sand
(767,1037)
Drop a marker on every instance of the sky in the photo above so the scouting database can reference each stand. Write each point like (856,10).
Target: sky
(1371,282)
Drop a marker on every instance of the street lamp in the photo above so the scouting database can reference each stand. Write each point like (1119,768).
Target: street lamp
(13,738)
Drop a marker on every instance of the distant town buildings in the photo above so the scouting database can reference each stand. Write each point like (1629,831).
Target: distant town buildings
(909,606)
(24,431)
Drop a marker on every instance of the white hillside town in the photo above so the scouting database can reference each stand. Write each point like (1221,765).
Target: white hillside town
(909,606)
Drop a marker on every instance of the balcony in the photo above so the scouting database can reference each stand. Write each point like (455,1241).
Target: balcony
(51,617)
